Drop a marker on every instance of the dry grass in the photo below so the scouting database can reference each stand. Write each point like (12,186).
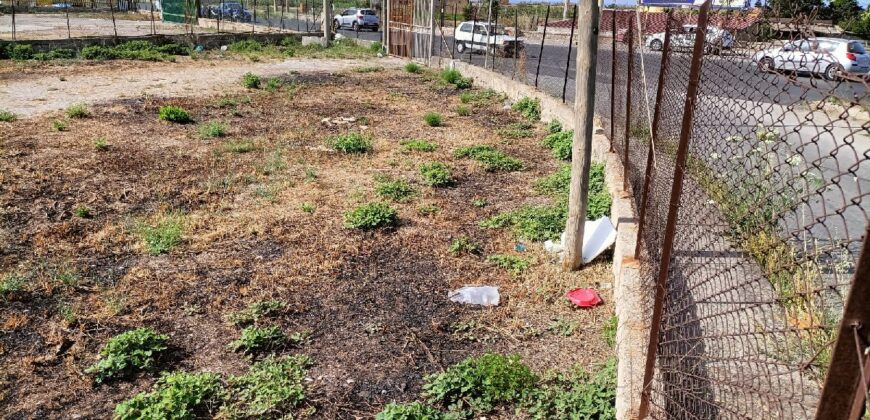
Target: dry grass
(374,302)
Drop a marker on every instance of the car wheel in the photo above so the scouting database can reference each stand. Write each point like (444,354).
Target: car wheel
(336,25)
(375,28)
(766,65)
(354,27)
(656,45)
(460,47)
(834,72)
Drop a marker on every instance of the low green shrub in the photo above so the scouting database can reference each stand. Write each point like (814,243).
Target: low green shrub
(127,352)
(579,396)
(514,264)
(164,235)
(251,80)
(308,207)
(454,77)
(554,126)
(212,129)
(174,114)
(478,97)
(563,327)
(101,145)
(58,125)
(529,108)
(371,216)
(369,69)
(376,47)
(517,130)
(21,51)
(463,110)
(464,245)
(397,190)
(409,411)
(239,146)
(246,46)
(82,212)
(11,283)
(78,110)
(560,143)
(254,340)
(255,311)
(436,174)
(270,389)
(534,223)
(351,143)
(97,52)
(55,54)
(7,116)
(177,395)
(492,159)
(418,145)
(413,67)
(433,119)
(477,385)
(273,84)
(464,83)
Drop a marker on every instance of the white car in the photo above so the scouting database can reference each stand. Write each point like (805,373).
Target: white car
(717,39)
(832,58)
(357,19)
(485,34)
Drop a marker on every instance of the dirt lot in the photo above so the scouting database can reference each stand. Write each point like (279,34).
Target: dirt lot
(374,302)
(54,25)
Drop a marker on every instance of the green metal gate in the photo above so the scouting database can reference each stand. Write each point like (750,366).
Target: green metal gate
(179,11)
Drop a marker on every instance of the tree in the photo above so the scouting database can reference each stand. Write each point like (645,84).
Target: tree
(845,10)
(794,8)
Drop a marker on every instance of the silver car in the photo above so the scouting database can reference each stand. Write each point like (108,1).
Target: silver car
(717,39)
(356,19)
(832,58)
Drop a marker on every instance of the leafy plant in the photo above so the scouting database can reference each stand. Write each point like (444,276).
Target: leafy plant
(11,283)
(97,52)
(351,143)
(273,84)
(369,69)
(478,384)
(246,45)
(478,97)
(255,311)
(427,209)
(413,67)
(127,352)
(528,107)
(376,47)
(100,144)
(535,223)
(21,51)
(370,216)
(418,145)
(251,81)
(463,110)
(6,116)
(554,126)
(78,110)
(58,125)
(271,388)
(409,411)
(165,235)
(255,340)
(560,144)
(174,114)
(212,129)
(609,331)
(239,146)
(433,119)
(308,207)
(397,190)
(435,174)
(454,77)
(177,395)
(82,212)
(514,264)
(464,245)
(581,396)
(479,202)
(491,158)
(517,130)
(563,327)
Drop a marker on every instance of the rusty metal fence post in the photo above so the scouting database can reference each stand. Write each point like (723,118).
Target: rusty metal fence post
(630,40)
(543,39)
(654,133)
(570,45)
(673,208)
(845,390)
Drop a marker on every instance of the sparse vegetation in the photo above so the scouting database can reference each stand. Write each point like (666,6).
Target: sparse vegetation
(479,97)
(517,130)
(78,110)
(212,129)
(427,210)
(554,126)
(174,114)
(514,264)
(82,212)
(433,119)
(6,116)
(464,245)
(413,67)
(563,327)
(581,395)
(454,77)
(418,145)
(251,81)
(410,411)
(255,311)
(371,216)
(529,108)
(128,352)
(273,84)
(397,190)
(369,69)
(560,143)
(58,125)
(308,207)
(163,236)
(255,340)
(11,283)
(463,110)
(436,174)
(177,395)
(100,144)
(239,146)
(271,388)
(351,143)
(492,159)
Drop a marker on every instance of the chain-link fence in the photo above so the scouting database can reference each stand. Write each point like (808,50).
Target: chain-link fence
(745,139)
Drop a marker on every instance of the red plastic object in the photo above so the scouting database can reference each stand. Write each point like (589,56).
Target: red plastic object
(584,298)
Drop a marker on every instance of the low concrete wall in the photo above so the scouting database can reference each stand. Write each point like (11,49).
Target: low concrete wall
(228,25)
(206,40)
(632,333)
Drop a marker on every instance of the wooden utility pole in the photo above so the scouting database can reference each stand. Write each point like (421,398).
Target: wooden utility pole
(327,23)
(581,149)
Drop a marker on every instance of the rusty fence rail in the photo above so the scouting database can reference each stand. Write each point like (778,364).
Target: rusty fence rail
(747,152)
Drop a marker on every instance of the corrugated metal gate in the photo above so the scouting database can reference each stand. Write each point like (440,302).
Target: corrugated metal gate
(410,28)
(179,11)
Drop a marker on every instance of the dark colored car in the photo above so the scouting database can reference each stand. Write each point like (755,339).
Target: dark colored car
(229,11)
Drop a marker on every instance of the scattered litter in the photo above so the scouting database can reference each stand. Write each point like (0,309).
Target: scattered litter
(605,286)
(199,48)
(223,48)
(475,295)
(380,55)
(338,121)
(520,247)
(584,298)
(339,36)
(598,235)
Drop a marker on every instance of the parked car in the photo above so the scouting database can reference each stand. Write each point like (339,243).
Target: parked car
(229,11)
(495,37)
(357,19)
(717,39)
(832,58)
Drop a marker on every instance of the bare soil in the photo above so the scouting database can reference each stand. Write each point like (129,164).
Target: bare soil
(375,303)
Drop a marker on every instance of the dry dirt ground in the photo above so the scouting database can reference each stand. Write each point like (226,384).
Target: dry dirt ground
(375,303)
(54,25)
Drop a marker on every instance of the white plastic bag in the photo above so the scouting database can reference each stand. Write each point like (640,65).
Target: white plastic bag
(475,295)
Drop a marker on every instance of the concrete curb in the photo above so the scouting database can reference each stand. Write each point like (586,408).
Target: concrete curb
(632,333)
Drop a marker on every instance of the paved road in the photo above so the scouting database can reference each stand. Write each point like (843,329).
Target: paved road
(301,24)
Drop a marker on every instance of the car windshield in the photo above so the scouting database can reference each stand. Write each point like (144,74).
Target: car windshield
(856,48)
(367,12)
(498,30)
